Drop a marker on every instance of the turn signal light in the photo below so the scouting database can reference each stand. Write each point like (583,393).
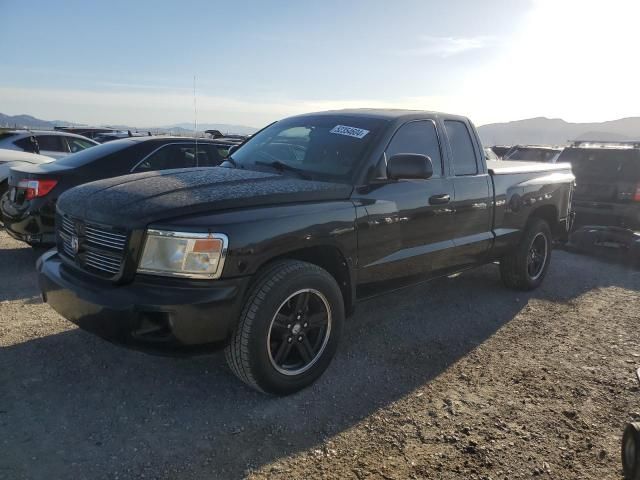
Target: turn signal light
(636,197)
(36,188)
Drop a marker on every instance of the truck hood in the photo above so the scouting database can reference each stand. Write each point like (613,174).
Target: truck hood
(135,201)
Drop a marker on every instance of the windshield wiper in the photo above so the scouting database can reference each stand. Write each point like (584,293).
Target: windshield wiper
(281,167)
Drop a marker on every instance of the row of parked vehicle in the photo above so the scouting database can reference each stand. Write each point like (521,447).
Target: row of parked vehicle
(268,254)
(37,180)
(607,178)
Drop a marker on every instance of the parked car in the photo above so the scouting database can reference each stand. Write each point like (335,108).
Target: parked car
(608,182)
(533,153)
(28,208)
(118,135)
(501,150)
(53,144)
(312,214)
(490,154)
(14,158)
(89,132)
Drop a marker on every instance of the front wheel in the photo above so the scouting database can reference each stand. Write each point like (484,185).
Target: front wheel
(289,328)
(526,266)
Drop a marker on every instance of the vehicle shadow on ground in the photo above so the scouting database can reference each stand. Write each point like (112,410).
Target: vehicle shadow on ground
(74,405)
(18,277)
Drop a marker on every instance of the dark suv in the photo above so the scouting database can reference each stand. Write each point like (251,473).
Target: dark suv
(608,183)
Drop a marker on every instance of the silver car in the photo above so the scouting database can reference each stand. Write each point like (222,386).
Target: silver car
(50,143)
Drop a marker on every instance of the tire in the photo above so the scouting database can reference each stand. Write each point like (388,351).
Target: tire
(271,328)
(515,268)
(631,451)
(4,187)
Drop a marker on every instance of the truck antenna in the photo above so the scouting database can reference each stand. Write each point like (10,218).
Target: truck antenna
(195,117)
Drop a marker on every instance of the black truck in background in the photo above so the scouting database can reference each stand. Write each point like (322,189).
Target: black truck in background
(607,182)
(270,252)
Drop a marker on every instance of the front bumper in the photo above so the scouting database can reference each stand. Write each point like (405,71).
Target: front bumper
(32,225)
(149,313)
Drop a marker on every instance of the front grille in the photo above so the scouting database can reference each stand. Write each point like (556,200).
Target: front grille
(95,248)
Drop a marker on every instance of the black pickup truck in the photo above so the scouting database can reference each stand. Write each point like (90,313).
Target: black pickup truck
(267,254)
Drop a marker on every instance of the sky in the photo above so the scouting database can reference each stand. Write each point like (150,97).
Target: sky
(253,62)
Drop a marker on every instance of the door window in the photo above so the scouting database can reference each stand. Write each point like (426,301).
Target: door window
(183,155)
(417,137)
(464,155)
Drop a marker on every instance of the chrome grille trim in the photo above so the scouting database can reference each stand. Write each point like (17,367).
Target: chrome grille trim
(102,251)
(104,238)
(105,267)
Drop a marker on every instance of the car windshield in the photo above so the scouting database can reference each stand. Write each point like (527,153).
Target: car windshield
(325,148)
(91,154)
(532,154)
(604,163)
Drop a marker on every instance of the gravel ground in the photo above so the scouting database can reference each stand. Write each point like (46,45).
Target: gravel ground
(459,378)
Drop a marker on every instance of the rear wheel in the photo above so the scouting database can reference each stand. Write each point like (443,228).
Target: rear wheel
(526,266)
(289,328)
(631,451)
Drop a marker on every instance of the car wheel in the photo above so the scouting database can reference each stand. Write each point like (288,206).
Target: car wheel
(289,328)
(631,451)
(4,187)
(526,266)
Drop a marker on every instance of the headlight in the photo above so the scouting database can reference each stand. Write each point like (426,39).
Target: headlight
(184,254)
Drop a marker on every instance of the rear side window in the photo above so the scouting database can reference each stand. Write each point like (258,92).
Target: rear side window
(51,143)
(181,156)
(464,155)
(418,137)
(28,144)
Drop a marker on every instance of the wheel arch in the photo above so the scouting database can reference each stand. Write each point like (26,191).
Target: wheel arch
(548,213)
(327,257)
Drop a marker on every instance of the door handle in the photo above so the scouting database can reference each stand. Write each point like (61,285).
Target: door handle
(439,199)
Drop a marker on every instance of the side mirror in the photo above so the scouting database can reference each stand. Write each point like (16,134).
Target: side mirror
(409,165)
(232,150)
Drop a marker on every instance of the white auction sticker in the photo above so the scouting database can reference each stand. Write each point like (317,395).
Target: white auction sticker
(349,131)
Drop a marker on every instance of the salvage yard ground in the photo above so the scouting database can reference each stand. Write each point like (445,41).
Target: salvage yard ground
(457,379)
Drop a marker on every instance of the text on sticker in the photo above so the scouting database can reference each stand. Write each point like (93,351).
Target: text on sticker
(349,131)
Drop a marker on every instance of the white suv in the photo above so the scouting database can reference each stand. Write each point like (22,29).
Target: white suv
(50,143)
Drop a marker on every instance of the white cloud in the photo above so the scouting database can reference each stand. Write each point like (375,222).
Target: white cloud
(445,47)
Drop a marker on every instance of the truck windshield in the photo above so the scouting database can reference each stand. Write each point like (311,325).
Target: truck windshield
(325,148)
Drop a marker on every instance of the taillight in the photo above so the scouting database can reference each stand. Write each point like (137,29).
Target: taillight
(36,188)
(636,197)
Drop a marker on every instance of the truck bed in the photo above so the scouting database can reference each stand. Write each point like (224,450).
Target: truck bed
(505,167)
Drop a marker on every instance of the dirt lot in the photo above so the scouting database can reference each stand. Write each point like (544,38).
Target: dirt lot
(457,379)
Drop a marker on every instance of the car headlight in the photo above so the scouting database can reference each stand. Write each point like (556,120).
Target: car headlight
(184,254)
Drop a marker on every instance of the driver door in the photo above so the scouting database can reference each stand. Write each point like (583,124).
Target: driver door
(405,227)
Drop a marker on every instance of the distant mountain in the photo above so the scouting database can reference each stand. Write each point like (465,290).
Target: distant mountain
(27,121)
(22,121)
(222,127)
(554,131)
